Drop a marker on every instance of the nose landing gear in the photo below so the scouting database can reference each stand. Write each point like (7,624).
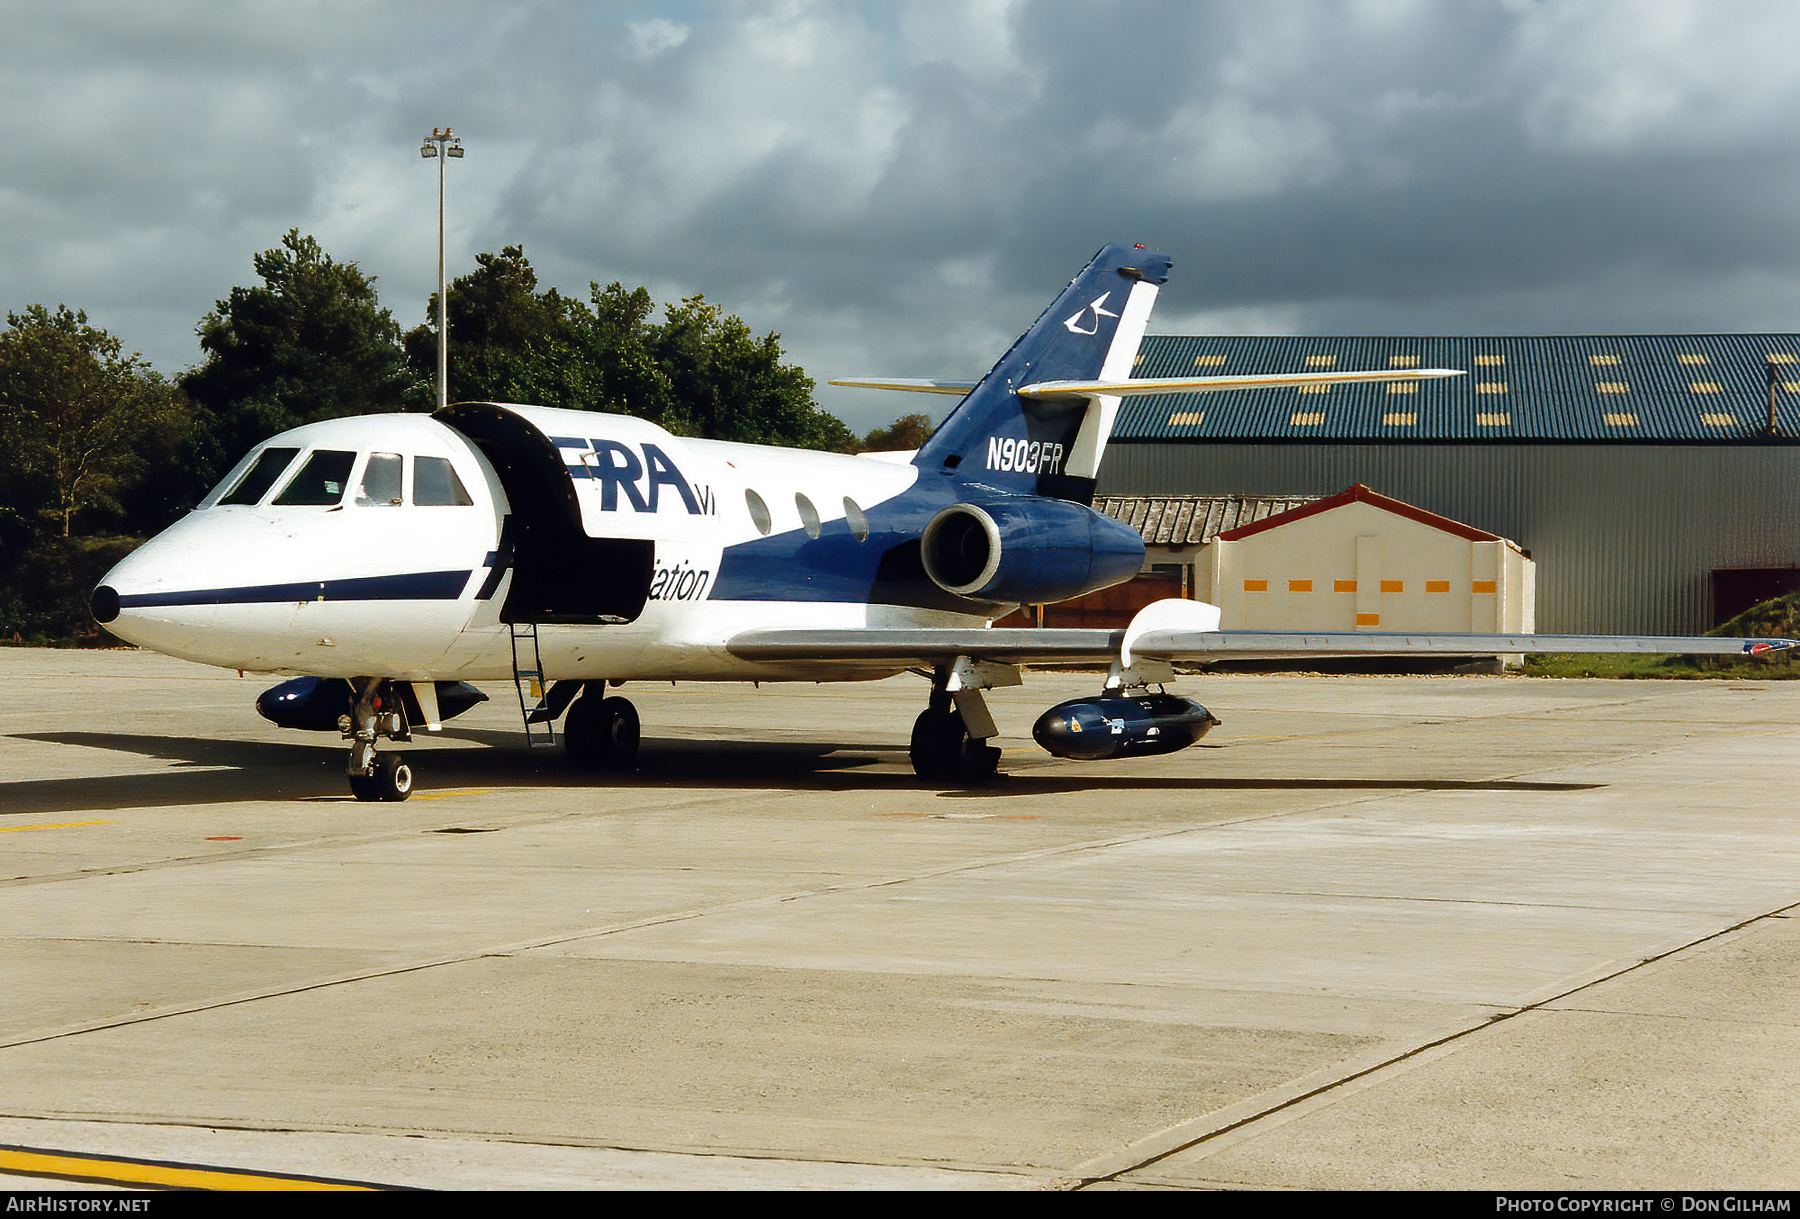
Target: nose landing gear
(377,713)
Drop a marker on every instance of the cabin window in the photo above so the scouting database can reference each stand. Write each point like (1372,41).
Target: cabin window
(809,515)
(380,481)
(435,484)
(260,477)
(759,512)
(321,481)
(859,523)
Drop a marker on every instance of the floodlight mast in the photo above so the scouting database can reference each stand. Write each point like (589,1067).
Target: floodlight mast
(442,143)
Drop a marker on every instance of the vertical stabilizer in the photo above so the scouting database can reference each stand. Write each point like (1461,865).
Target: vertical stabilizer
(1053,446)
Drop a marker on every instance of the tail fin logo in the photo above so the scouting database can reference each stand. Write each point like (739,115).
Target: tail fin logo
(1095,307)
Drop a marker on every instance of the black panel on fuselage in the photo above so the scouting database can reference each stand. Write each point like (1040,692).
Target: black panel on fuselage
(560,574)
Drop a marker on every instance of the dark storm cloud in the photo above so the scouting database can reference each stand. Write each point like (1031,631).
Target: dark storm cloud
(899,188)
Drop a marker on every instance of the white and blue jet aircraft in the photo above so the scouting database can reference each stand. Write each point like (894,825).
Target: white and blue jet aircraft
(393,559)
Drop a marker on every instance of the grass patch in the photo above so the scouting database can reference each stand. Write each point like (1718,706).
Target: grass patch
(1777,619)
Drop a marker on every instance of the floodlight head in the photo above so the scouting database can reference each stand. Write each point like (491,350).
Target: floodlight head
(454,149)
(428,149)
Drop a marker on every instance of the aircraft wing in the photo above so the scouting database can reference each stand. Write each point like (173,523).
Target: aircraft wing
(1035,646)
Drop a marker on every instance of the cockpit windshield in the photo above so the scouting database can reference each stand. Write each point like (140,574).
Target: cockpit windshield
(260,477)
(324,477)
(321,480)
(381,481)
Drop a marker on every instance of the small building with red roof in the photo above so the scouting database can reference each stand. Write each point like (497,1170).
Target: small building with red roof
(1360,560)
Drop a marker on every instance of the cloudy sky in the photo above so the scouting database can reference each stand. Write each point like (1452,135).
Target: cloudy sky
(899,188)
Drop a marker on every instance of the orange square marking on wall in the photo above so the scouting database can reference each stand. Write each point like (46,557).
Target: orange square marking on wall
(1703,387)
(1368,620)
(1691,357)
(1603,359)
(1393,586)
(1212,361)
(1343,586)
(1403,361)
(1489,361)
(1612,387)
(1399,419)
(1299,586)
(1486,586)
(1321,361)
(1437,586)
(1490,387)
(1403,387)
(1781,357)
(1256,586)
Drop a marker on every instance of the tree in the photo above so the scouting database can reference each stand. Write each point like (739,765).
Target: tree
(906,432)
(697,372)
(80,421)
(620,342)
(311,342)
(730,385)
(508,342)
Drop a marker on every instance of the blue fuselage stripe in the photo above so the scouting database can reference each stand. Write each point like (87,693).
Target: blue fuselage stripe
(417,586)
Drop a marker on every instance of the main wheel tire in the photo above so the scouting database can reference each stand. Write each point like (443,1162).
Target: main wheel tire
(581,732)
(602,732)
(620,731)
(943,751)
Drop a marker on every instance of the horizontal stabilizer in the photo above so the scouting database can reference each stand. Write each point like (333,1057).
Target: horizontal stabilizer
(1210,385)
(915,385)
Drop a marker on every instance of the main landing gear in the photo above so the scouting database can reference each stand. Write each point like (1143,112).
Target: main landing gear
(942,749)
(378,712)
(601,732)
(950,737)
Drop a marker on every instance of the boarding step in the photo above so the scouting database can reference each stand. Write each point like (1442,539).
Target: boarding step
(528,679)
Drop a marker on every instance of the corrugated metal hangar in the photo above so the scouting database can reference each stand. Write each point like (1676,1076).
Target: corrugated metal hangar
(1652,478)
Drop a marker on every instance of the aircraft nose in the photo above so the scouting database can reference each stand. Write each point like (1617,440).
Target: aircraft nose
(104,604)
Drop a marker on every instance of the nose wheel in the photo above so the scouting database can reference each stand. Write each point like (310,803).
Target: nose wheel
(390,779)
(378,712)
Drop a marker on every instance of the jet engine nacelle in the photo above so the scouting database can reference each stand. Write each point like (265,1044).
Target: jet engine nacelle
(315,703)
(1117,726)
(1028,551)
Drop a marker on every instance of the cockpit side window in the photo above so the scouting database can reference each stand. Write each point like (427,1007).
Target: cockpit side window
(321,480)
(380,481)
(435,484)
(260,477)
